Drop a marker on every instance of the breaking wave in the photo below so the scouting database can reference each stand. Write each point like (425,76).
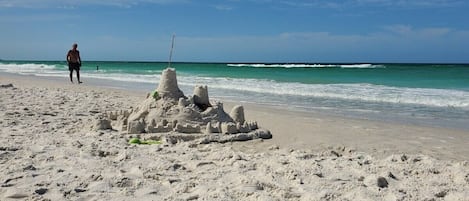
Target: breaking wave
(28,68)
(308,65)
(349,92)
(354,92)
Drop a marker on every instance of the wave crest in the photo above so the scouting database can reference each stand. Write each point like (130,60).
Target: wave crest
(308,65)
(27,68)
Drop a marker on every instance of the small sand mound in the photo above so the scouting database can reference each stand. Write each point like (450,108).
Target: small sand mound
(168,113)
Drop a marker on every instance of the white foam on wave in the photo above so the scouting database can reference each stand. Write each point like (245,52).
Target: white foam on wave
(308,65)
(354,92)
(28,68)
(361,66)
(126,77)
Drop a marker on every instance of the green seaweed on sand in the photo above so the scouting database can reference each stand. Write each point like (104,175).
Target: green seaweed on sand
(150,142)
(134,141)
(155,95)
(138,141)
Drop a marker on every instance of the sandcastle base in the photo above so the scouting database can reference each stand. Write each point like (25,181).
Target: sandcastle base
(173,138)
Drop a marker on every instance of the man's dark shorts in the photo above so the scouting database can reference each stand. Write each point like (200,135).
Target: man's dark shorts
(74,66)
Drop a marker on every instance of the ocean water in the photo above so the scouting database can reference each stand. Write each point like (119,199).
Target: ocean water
(430,94)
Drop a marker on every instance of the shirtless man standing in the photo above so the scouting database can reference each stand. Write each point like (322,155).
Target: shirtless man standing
(74,62)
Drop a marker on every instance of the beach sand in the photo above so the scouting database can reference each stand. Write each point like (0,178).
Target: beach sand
(48,151)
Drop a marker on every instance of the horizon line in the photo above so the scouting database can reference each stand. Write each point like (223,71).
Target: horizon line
(250,62)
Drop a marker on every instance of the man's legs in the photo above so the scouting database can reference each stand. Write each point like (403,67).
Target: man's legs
(78,76)
(71,79)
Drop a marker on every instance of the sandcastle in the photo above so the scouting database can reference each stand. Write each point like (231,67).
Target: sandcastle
(169,113)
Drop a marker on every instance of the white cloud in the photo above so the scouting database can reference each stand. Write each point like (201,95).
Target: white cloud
(334,4)
(38,18)
(409,31)
(434,32)
(395,43)
(432,3)
(73,3)
(411,44)
(223,7)
(341,4)
(399,29)
(298,3)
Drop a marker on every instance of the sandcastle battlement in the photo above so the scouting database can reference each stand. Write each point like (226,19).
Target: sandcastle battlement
(187,128)
(113,115)
(159,128)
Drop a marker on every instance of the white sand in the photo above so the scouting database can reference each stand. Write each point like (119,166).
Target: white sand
(48,152)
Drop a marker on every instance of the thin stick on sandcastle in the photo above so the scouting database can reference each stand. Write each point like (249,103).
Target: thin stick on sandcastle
(171,51)
(171,115)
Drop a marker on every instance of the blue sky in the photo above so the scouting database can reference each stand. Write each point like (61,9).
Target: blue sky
(237,30)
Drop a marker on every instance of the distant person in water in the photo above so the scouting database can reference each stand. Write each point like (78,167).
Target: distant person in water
(74,62)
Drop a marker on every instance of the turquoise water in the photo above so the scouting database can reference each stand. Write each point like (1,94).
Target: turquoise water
(436,94)
(441,76)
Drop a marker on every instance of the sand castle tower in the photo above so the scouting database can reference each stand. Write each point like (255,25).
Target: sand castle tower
(168,87)
(200,97)
(237,114)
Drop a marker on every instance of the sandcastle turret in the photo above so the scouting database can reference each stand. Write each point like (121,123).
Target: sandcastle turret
(168,87)
(237,114)
(201,97)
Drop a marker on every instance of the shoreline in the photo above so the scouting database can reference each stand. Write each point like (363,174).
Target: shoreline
(50,151)
(411,102)
(143,88)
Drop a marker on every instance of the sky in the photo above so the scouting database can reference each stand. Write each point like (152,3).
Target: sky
(282,31)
